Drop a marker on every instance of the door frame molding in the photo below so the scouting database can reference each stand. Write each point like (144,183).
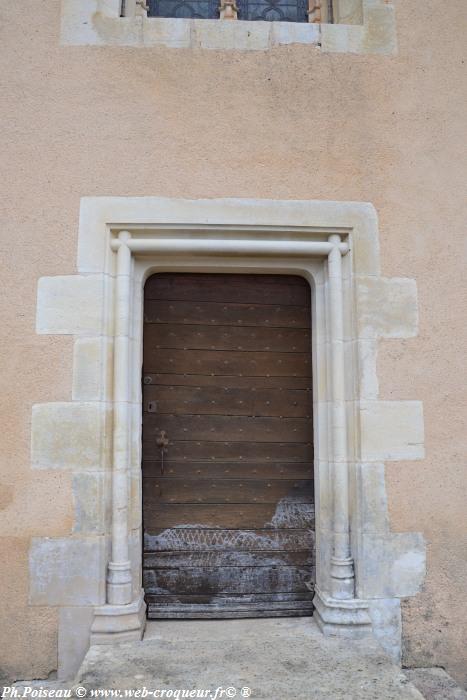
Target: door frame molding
(362,568)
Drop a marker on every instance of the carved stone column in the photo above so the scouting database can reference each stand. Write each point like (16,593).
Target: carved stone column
(123,616)
(339,612)
(119,570)
(342,566)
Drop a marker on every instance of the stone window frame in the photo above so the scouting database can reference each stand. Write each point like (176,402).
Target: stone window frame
(360,27)
(94,575)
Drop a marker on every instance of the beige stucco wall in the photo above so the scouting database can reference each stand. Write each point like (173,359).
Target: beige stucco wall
(288,123)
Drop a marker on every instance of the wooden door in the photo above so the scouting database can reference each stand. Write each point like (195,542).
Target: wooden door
(228,503)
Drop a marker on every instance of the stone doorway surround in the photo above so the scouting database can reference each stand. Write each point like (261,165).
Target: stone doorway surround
(94,575)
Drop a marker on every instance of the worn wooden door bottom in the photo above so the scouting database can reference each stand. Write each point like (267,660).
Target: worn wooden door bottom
(228,500)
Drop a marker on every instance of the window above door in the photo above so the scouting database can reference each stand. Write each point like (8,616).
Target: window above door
(250,10)
(344,26)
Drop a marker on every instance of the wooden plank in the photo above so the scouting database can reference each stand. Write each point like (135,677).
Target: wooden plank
(272,289)
(227,428)
(178,560)
(247,516)
(261,599)
(164,489)
(226,381)
(201,337)
(227,451)
(194,539)
(243,470)
(155,612)
(178,400)
(251,364)
(247,579)
(226,314)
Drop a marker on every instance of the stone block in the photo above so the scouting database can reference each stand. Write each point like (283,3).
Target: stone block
(242,36)
(74,630)
(92,500)
(365,248)
(136,499)
(321,423)
(377,34)
(373,511)
(168,31)
(380,27)
(391,430)
(294,33)
(67,571)
(69,436)
(386,624)
(70,305)
(392,565)
(367,381)
(323,551)
(348,11)
(136,549)
(92,369)
(386,308)
(94,237)
(342,38)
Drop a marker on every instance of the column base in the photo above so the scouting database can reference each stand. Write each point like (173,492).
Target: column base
(113,624)
(341,618)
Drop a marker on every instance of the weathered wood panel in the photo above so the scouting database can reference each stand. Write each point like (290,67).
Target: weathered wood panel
(202,539)
(226,516)
(228,428)
(261,599)
(228,470)
(179,400)
(225,381)
(178,560)
(198,337)
(163,489)
(221,452)
(227,314)
(219,609)
(245,289)
(251,364)
(228,507)
(236,580)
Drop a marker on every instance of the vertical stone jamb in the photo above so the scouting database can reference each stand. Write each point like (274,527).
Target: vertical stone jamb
(342,566)
(123,617)
(338,612)
(119,569)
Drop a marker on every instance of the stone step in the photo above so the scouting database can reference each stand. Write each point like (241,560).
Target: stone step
(278,659)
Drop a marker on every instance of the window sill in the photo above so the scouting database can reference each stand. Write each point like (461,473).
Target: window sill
(92,23)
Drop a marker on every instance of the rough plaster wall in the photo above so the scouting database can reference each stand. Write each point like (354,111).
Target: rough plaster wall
(289,123)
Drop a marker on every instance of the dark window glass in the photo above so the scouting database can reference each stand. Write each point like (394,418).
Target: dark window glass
(273,10)
(198,9)
(266,10)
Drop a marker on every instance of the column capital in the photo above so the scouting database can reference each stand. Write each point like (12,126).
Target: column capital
(335,239)
(124,236)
